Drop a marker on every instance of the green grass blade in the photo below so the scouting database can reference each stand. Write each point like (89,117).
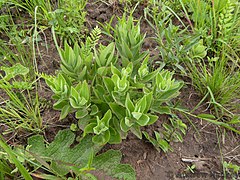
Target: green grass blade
(20,167)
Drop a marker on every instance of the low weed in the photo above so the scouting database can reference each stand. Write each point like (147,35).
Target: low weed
(215,21)
(204,44)
(67,16)
(216,71)
(174,42)
(17,109)
(232,169)
(172,132)
(218,81)
(39,8)
(69,20)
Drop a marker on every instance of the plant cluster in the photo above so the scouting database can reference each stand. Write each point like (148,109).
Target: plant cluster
(174,43)
(215,71)
(207,53)
(112,95)
(66,16)
(69,20)
(19,111)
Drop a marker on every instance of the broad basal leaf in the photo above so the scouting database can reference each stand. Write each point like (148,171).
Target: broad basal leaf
(63,158)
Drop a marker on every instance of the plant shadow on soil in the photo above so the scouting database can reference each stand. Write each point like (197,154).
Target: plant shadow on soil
(148,163)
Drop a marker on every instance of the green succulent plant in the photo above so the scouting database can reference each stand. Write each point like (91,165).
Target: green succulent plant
(110,98)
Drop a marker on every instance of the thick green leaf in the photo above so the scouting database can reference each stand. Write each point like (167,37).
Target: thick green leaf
(81,113)
(99,91)
(126,51)
(115,70)
(11,72)
(115,137)
(143,120)
(102,138)
(152,119)
(89,128)
(129,122)
(107,117)
(129,105)
(65,110)
(148,102)
(102,71)
(206,116)
(118,110)
(137,131)
(109,162)
(100,128)
(137,115)
(141,105)
(170,93)
(62,155)
(150,76)
(161,109)
(94,110)
(85,92)
(123,125)
(108,84)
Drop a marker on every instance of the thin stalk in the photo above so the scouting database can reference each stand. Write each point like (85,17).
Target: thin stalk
(219,145)
(216,103)
(199,103)
(186,13)
(214,24)
(194,127)
(35,36)
(216,122)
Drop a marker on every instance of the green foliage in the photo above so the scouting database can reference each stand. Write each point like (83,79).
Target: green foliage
(110,98)
(76,61)
(81,159)
(159,142)
(174,131)
(128,43)
(218,30)
(200,11)
(12,73)
(18,110)
(213,60)
(44,7)
(5,21)
(15,46)
(68,19)
(216,80)
(232,169)
(230,166)
(100,129)
(171,132)
(174,43)
(10,157)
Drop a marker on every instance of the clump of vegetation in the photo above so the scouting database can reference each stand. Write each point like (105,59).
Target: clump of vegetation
(110,95)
